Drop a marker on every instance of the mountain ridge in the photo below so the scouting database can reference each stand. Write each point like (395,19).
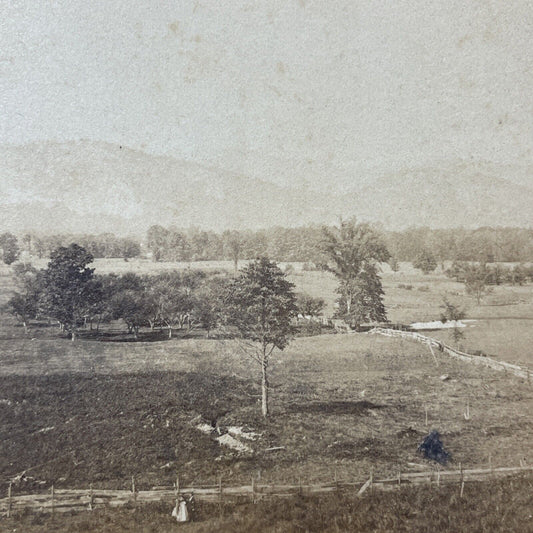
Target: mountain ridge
(95,186)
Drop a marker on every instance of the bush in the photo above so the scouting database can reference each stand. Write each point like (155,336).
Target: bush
(309,267)
(425,262)
(404,286)
(311,328)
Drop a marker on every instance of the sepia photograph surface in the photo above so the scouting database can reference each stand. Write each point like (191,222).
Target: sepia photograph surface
(266,266)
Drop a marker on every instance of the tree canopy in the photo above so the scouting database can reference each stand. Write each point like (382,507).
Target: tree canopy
(260,304)
(9,247)
(353,252)
(69,289)
(425,261)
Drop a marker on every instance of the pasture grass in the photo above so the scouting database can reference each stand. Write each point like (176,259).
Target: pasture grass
(75,413)
(97,412)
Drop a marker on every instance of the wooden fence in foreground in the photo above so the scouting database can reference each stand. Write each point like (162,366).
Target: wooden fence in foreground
(75,500)
(516,370)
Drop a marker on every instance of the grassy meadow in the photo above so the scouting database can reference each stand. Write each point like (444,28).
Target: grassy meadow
(76,413)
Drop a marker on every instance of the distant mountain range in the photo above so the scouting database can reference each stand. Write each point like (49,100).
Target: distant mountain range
(96,187)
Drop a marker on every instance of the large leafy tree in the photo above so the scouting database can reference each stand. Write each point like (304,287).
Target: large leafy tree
(24,303)
(69,289)
(173,299)
(9,247)
(353,253)
(130,299)
(156,240)
(208,304)
(425,261)
(309,306)
(260,304)
(476,281)
(233,247)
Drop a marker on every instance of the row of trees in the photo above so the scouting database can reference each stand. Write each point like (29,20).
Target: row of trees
(281,244)
(492,274)
(69,292)
(102,245)
(423,246)
(479,278)
(486,245)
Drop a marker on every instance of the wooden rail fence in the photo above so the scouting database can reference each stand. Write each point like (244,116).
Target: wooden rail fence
(516,370)
(70,500)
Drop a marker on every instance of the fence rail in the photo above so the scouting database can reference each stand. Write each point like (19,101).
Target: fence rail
(68,500)
(516,370)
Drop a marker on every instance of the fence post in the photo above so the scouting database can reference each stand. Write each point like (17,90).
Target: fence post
(462,479)
(433,353)
(134,489)
(253,489)
(371,480)
(9,500)
(52,495)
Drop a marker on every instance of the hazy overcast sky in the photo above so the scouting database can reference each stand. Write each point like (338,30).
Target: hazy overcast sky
(277,89)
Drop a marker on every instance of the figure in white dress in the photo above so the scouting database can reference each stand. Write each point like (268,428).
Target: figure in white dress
(180,511)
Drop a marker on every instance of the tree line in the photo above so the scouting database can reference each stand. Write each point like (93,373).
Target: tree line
(303,244)
(102,245)
(479,278)
(426,247)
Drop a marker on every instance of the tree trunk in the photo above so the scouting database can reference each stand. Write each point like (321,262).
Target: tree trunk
(25,327)
(73,335)
(264,390)
(169,332)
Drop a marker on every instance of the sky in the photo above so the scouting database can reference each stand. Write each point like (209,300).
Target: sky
(283,90)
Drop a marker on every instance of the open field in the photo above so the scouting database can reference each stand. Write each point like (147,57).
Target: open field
(72,414)
(349,403)
(100,412)
(502,323)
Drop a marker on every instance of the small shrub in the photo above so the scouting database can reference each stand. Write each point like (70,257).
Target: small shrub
(423,288)
(405,287)
(309,267)
(313,328)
